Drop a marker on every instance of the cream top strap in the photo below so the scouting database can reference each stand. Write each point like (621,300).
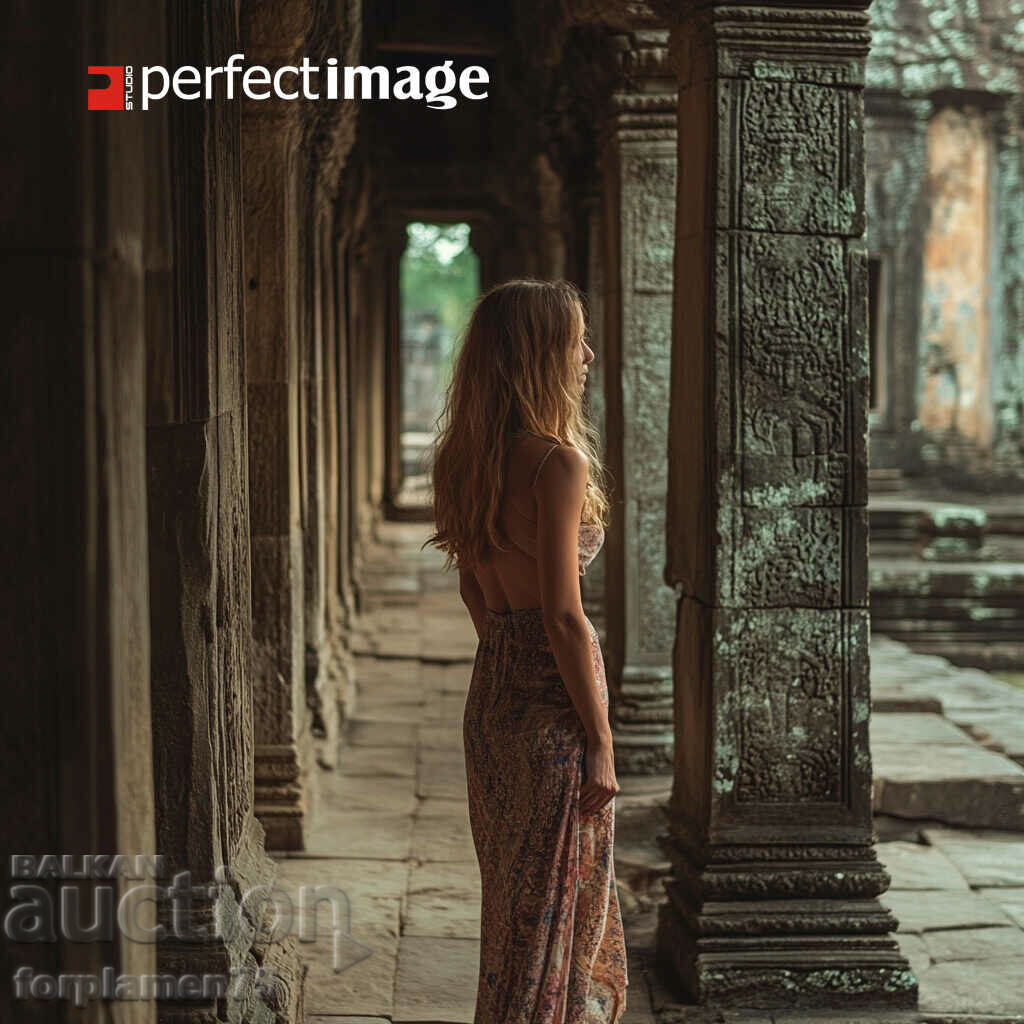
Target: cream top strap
(540,465)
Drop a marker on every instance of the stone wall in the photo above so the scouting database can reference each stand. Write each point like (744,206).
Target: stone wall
(76,738)
(946,225)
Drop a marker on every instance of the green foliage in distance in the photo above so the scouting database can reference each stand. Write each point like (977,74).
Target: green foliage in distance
(439,274)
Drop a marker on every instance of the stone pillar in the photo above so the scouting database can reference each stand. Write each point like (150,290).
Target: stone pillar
(897,219)
(334,683)
(394,240)
(593,582)
(314,466)
(773,895)
(358,401)
(199,546)
(639,163)
(347,456)
(78,262)
(1008,291)
(269,141)
(377,323)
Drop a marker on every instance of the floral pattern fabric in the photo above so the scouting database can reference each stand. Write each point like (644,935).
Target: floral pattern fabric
(552,948)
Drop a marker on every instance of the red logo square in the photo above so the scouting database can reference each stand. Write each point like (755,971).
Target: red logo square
(112,96)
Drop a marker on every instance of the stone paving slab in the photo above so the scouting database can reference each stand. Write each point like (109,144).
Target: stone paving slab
(1002,731)
(974,986)
(345,1019)
(441,678)
(441,755)
(441,832)
(440,737)
(366,640)
(377,710)
(364,732)
(916,866)
(902,679)
(366,986)
(966,785)
(437,980)
(399,688)
(984,858)
(372,672)
(445,780)
(975,943)
(375,761)
(916,728)
(448,709)
(847,1017)
(1010,901)
(387,793)
(444,900)
(918,914)
(365,833)
(916,952)
(359,878)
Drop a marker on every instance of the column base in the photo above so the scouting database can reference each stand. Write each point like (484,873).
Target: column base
(643,727)
(275,996)
(280,804)
(814,954)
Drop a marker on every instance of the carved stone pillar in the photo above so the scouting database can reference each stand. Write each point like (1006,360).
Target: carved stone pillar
(1008,288)
(897,219)
(639,164)
(269,137)
(773,896)
(199,500)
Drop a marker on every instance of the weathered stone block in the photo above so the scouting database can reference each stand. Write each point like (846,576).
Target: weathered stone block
(792,706)
(793,163)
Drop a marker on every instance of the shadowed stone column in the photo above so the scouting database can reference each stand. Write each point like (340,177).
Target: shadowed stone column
(773,896)
(593,582)
(270,137)
(313,430)
(199,550)
(639,188)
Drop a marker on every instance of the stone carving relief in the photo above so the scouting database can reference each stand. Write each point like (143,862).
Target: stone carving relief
(789,556)
(792,174)
(789,695)
(647,378)
(652,182)
(791,366)
(657,601)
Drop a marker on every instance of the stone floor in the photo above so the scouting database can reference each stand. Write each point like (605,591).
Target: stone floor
(392,835)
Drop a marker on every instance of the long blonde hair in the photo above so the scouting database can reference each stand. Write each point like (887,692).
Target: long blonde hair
(513,375)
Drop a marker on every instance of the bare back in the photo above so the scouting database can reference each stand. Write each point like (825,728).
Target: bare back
(509,578)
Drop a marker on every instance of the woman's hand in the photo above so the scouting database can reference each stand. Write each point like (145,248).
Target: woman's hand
(599,784)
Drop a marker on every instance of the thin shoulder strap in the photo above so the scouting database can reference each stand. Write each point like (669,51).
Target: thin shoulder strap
(540,465)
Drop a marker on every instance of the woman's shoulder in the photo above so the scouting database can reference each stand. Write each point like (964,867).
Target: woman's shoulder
(564,464)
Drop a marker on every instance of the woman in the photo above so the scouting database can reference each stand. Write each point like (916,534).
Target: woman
(520,510)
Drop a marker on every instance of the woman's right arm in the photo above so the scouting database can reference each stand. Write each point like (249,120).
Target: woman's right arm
(559,492)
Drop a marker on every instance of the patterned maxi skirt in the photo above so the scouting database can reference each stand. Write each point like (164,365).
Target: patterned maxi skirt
(552,949)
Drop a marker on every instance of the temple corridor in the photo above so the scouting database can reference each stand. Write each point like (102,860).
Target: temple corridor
(226,648)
